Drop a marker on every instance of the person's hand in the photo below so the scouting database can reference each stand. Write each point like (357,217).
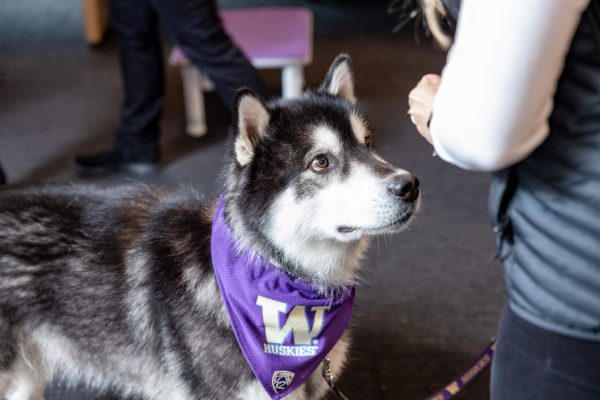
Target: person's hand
(420,101)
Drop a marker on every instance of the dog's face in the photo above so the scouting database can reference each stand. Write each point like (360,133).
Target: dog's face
(306,172)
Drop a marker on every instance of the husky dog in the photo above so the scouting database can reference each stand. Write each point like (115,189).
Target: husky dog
(115,287)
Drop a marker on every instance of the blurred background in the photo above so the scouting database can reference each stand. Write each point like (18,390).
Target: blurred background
(432,295)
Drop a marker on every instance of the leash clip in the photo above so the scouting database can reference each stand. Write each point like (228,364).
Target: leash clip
(328,376)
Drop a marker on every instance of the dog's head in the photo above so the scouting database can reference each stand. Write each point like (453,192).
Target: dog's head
(305,183)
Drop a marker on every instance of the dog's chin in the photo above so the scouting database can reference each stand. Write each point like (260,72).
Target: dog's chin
(386,227)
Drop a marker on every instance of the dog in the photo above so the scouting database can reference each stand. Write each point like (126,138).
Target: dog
(115,287)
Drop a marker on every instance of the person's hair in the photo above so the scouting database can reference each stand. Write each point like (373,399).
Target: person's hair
(435,12)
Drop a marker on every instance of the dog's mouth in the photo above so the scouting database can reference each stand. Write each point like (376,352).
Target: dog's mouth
(397,223)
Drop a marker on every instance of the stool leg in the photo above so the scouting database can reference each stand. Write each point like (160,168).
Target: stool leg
(194,101)
(292,81)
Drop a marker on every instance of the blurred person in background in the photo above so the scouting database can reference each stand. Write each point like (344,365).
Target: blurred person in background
(519,96)
(195,26)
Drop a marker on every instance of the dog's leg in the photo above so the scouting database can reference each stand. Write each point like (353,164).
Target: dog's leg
(27,376)
(4,383)
(8,356)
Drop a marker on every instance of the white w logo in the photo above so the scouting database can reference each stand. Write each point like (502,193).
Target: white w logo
(296,322)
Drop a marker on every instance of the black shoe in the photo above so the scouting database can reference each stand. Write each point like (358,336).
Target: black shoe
(113,162)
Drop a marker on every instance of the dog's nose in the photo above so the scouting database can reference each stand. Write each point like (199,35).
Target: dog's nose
(404,186)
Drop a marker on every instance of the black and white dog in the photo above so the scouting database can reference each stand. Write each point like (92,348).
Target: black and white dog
(116,287)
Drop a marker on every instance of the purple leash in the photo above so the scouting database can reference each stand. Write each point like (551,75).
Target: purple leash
(467,376)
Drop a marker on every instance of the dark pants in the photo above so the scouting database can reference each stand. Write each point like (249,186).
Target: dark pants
(195,26)
(531,363)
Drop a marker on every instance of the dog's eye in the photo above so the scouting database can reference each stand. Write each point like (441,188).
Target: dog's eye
(319,163)
(368,142)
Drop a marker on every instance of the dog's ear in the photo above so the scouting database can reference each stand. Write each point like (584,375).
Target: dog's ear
(252,119)
(339,80)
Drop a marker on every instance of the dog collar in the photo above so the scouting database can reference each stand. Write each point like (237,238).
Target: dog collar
(283,326)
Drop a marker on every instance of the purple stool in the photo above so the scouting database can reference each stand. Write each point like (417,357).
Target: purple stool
(270,37)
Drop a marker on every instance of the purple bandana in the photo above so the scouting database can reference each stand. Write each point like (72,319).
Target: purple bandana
(284,328)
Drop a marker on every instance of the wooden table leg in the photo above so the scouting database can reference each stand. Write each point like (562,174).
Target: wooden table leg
(95,17)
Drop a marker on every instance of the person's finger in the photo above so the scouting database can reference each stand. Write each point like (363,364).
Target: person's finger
(413,99)
(432,78)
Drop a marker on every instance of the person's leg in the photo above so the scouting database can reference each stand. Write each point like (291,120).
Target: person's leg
(136,145)
(518,361)
(2,176)
(135,24)
(196,27)
(531,363)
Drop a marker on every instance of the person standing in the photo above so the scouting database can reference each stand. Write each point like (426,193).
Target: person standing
(195,26)
(519,96)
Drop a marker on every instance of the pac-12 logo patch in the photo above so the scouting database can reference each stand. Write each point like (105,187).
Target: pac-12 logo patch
(281,380)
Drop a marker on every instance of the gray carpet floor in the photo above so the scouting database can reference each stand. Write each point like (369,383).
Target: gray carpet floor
(432,295)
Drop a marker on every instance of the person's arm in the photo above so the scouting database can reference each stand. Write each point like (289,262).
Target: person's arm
(495,96)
